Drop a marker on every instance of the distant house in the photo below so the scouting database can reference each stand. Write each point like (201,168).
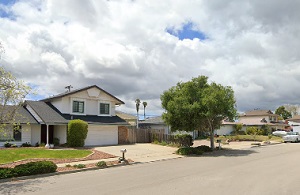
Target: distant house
(256,118)
(131,119)
(155,123)
(294,123)
(259,118)
(48,118)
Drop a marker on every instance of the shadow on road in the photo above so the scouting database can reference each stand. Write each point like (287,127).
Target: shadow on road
(20,186)
(229,153)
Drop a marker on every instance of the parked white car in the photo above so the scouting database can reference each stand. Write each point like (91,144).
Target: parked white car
(279,133)
(291,137)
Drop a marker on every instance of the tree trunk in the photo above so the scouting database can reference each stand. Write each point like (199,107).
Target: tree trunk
(212,141)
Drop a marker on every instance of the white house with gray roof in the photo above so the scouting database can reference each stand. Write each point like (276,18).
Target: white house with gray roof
(49,117)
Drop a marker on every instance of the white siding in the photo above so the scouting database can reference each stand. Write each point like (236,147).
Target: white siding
(101,135)
(60,132)
(64,104)
(224,130)
(35,134)
(25,136)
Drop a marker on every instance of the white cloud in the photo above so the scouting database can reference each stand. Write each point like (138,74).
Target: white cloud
(123,47)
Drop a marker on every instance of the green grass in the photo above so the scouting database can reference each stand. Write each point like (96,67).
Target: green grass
(260,138)
(11,155)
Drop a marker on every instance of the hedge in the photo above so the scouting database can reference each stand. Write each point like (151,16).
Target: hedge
(31,168)
(77,132)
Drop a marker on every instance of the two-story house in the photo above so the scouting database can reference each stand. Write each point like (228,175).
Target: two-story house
(51,116)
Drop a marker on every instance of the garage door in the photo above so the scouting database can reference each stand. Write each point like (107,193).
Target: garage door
(99,135)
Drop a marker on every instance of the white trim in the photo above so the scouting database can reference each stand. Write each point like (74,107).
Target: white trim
(104,102)
(80,100)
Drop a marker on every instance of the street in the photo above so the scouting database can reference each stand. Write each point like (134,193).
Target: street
(263,170)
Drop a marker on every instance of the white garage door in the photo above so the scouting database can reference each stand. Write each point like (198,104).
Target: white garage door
(99,135)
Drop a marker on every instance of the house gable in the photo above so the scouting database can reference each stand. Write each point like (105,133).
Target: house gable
(86,101)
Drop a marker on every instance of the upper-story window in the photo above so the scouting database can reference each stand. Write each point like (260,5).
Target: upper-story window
(104,108)
(78,106)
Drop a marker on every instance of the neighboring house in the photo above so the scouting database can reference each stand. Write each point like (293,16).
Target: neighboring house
(256,118)
(259,118)
(91,104)
(226,128)
(294,123)
(131,119)
(158,124)
(155,123)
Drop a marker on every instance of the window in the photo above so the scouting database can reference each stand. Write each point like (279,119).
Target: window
(78,106)
(104,108)
(17,133)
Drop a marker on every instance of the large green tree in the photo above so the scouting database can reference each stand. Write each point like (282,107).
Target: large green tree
(281,111)
(198,105)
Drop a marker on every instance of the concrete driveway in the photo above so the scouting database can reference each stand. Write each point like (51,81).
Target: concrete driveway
(144,152)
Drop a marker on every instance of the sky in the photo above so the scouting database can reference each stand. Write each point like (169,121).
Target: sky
(138,49)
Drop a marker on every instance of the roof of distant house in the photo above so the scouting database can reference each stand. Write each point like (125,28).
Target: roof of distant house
(79,90)
(153,120)
(259,113)
(125,116)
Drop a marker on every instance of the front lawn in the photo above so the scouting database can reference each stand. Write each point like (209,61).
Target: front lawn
(15,154)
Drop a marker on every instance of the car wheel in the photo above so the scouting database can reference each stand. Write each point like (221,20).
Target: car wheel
(284,142)
(297,140)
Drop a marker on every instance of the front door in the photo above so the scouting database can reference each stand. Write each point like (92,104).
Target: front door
(44,134)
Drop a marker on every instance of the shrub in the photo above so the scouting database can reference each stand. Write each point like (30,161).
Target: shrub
(184,140)
(101,164)
(185,151)
(6,173)
(33,168)
(198,151)
(77,132)
(26,144)
(37,144)
(7,145)
(68,165)
(42,145)
(56,141)
(204,148)
(79,166)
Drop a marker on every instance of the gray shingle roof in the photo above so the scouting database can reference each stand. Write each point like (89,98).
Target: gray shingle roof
(153,120)
(46,113)
(22,116)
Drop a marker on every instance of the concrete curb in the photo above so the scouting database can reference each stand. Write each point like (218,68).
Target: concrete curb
(57,173)
(79,170)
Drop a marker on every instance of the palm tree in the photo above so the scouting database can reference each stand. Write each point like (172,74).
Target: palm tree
(145,105)
(137,104)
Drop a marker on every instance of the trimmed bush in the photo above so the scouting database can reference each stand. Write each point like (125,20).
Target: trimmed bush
(7,145)
(101,164)
(79,166)
(56,141)
(26,144)
(6,173)
(204,148)
(77,132)
(184,140)
(34,168)
(185,151)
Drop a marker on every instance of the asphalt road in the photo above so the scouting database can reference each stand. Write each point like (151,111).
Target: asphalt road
(265,170)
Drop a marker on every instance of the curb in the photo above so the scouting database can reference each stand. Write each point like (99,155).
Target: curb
(58,173)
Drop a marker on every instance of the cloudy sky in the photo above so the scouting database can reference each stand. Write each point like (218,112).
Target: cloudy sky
(137,49)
